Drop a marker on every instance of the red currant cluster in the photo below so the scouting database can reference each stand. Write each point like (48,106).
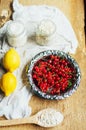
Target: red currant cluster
(53,74)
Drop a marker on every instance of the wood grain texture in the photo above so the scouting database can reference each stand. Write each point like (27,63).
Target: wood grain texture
(74,107)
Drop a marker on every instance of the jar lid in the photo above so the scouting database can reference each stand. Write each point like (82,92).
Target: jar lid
(15,28)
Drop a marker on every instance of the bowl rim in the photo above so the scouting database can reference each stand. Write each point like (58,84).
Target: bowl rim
(37,91)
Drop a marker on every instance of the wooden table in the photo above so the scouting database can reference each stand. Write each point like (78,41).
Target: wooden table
(74,107)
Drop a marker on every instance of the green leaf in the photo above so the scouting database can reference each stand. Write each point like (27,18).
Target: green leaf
(69,84)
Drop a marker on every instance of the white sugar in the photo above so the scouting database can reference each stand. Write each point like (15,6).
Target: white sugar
(15,28)
(50,118)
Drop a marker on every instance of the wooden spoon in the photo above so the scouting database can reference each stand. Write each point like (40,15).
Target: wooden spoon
(45,118)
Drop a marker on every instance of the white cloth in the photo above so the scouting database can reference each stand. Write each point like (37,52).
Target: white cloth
(16,105)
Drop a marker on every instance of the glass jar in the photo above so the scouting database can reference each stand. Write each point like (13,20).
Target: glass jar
(16,34)
(44,31)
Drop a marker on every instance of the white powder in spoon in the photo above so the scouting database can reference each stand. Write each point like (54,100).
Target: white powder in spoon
(49,117)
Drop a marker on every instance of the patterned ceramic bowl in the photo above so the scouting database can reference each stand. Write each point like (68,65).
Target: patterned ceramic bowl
(61,95)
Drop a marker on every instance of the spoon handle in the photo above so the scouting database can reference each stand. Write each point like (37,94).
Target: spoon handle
(31,119)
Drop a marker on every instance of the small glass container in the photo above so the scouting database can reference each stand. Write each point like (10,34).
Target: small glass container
(44,31)
(16,34)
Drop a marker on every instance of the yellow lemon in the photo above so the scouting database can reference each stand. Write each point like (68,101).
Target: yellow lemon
(11,60)
(8,83)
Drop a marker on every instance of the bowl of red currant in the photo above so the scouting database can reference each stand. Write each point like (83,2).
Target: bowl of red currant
(54,74)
